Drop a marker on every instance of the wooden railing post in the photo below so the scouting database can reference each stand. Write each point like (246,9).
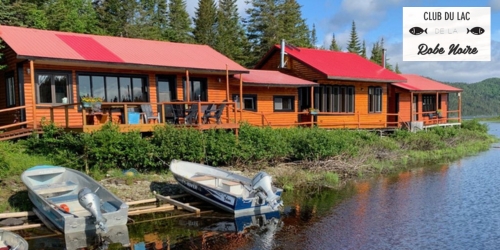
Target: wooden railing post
(66,114)
(84,117)
(235,111)
(358,120)
(125,112)
(262,119)
(163,113)
(199,113)
(52,114)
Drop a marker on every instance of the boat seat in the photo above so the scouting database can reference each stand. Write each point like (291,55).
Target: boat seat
(205,180)
(232,187)
(55,188)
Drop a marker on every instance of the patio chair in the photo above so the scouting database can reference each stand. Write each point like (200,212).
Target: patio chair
(179,112)
(218,113)
(192,116)
(169,115)
(149,114)
(207,113)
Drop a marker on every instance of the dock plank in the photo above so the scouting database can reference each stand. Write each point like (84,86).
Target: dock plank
(178,204)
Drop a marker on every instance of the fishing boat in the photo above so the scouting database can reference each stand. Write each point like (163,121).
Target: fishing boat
(229,191)
(12,241)
(72,201)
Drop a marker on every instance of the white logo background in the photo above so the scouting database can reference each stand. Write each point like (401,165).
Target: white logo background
(446,32)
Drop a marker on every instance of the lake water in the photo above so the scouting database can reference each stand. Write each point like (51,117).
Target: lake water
(455,206)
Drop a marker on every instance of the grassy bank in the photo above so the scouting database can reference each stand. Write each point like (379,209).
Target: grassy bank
(295,157)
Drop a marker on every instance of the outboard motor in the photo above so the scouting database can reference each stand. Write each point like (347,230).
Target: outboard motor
(90,201)
(262,184)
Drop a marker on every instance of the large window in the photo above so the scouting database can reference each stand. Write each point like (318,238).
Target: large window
(249,102)
(198,89)
(113,88)
(374,99)
(333,98)
(167,88)
(11,91)
(428,103)
(52,87)
(284,103)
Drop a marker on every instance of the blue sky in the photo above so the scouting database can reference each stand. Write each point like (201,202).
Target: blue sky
(383,18)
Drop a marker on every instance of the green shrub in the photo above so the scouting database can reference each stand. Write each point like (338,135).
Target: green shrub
(474,125)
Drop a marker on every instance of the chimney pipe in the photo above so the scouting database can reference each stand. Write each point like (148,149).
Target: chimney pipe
(282,60)
(383,58)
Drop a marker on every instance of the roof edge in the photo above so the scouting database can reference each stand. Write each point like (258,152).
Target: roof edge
(253,84)
(364,79)
(126,65)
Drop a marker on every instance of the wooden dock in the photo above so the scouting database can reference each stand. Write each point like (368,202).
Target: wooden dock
(154,205)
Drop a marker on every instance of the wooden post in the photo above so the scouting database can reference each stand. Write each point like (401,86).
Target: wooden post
(312,105)
(33,98)
(227,95)
(411,105)
(52,114)
(199,113)
(359,120)
(241,97)
(125,112)
(188,85)
(84,117)
(459,107)
(163,113)
(437,105)
(66,115)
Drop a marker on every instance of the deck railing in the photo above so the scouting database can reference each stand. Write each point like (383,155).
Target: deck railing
(16,115)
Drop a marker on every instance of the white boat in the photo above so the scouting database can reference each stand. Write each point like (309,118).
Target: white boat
(229,191)
(72,201)
(12,241)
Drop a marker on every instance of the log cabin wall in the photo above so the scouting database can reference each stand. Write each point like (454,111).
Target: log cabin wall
(9,60)
(265,114)
(405,104)
(293,67)
(361,116)
(216,90)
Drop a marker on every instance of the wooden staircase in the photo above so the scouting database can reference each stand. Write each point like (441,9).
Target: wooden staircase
(18,133)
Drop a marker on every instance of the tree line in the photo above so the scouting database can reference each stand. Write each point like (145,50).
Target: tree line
(478,99)
(215,23)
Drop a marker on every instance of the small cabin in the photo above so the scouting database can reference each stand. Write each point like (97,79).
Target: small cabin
(351,92)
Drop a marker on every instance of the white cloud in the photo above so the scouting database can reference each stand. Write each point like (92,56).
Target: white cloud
(192,5)
(448,71)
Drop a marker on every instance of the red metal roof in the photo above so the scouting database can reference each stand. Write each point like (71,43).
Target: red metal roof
(341,65)
(420,83)
(273,78)
(44,44)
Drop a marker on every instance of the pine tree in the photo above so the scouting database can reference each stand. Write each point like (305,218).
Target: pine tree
(293,27)
(205,22)
(150,20)
(314,38)
(363,49)
(397,69)
(376,54)
(72,15)
(333,45)
(179,25)
(231,39)
(353,46)
(114,15)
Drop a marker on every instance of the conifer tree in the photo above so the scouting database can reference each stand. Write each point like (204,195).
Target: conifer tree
(231,39)
(114,16)
(179,25)
(333,45)
(397,69)
(205,22)
(363,49)
(150,20)
(71,15)
(293,27)
(314,38)
(353,45)
(376,54)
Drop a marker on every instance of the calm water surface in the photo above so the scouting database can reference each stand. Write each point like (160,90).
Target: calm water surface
(454,206)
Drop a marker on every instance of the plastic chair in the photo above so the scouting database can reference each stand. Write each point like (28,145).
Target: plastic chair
(149,114)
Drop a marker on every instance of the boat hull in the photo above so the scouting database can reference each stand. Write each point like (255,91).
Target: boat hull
(51,186)
(13,240)
(240,205)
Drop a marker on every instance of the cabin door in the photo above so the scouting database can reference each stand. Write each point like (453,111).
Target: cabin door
(415,107)
(167,92)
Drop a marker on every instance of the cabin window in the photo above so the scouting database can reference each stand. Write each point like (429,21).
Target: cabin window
(113,88)
(167,88)
(198,89)
(428,103)
(284,103)
(249,102)
(11,91)
(52,88)
(374,99)
(338,99)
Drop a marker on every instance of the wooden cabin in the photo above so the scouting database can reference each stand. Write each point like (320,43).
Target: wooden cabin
(421,102)
(352,91)
(270,98)
(47,73)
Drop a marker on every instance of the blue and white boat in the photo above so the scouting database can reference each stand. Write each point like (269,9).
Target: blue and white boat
(72,201)
(229,191)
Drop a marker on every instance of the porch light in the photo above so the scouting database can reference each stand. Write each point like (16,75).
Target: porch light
(28,71)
